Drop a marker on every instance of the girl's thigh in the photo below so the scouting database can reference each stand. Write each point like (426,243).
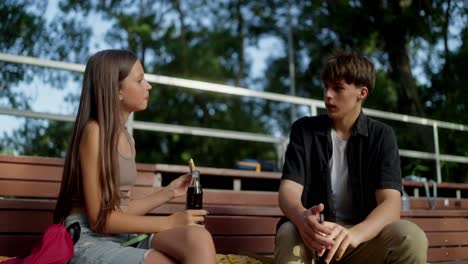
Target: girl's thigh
(177,242)
(89,250)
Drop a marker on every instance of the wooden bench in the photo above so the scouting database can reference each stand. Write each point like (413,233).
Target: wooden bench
(446,225)
(240,220)
(447,189)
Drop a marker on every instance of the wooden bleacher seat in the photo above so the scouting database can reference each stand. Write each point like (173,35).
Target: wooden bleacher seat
(240,220)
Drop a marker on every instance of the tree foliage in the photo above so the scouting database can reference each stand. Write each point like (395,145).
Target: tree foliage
(419,47)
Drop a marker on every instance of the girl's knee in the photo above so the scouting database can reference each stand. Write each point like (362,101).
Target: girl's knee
(155,257)
(200,244)
(199,238)
(198,234)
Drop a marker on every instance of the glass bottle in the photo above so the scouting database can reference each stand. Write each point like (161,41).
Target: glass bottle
(195,192)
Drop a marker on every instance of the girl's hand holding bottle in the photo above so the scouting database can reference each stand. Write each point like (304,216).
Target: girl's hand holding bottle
(188,217)
(179,186)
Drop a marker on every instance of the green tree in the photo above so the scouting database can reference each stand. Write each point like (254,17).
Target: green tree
(208,40)
(25,31)
(185,47)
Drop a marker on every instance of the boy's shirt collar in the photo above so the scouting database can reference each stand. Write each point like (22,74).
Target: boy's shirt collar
(360,127)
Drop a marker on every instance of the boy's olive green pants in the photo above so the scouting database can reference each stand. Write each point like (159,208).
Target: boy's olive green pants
(400,242)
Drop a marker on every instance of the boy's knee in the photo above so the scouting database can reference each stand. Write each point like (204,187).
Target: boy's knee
(287,233)
(409,238)
(411,234)
(289,247)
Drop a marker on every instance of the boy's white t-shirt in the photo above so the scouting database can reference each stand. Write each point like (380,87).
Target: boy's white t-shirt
(341,189)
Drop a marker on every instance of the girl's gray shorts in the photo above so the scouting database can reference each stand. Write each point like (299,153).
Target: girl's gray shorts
(94,248)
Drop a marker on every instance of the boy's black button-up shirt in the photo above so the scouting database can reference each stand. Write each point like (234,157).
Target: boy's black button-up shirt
(373,163)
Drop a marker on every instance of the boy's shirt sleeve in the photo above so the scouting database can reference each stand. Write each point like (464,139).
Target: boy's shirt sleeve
(389,167)
(294,164)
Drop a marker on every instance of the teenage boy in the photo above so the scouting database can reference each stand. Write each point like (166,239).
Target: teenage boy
(345,166)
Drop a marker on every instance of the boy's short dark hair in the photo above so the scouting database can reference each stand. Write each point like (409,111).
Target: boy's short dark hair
(350,67)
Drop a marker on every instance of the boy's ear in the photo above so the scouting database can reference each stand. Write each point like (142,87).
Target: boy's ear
(363,93)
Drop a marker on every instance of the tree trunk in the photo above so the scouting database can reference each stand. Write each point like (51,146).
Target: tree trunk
(400,70)
(394,34)
(241,37)
(183,37)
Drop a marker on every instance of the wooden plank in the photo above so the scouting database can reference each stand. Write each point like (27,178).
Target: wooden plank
(442,203)
(31,160)
(219,172)
(29,188)
(17,245)
(434,213)
(145,167)
(213,209)
(240,245)
(24,204)
(442,185)
(241,225)
(35,172)
(441,224)
(437,239)
(249,198)
(25,221)
(448,253)
(145,179)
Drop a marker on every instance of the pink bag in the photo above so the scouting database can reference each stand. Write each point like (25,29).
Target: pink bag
(55,247)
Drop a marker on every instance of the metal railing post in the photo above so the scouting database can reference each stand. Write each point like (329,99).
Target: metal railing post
(313,110)
(437,152)
(281,151)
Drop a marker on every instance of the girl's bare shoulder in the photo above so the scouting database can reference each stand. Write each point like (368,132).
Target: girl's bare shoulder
(90,134)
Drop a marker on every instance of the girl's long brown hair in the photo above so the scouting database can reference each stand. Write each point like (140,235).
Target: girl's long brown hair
(99,102)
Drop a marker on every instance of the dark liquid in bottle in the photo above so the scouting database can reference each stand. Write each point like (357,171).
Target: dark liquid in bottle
(194,198)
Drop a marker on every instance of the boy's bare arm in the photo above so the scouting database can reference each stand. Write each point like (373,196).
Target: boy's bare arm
(289,199)
(387,211)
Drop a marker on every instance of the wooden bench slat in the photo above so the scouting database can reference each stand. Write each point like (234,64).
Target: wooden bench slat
(241,225)
(442,185)
(31,160)
(247,198)
(447,238)
(25,221)
(145,178)
(422,203)
(213,209)
(443,224)
(449,253)
(219,172)
(22,204)
(30,172)
(29,188)
(240,245)
(17,245)
(434,213)
(165,209)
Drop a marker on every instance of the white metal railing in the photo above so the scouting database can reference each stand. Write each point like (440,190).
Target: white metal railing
(280,141)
